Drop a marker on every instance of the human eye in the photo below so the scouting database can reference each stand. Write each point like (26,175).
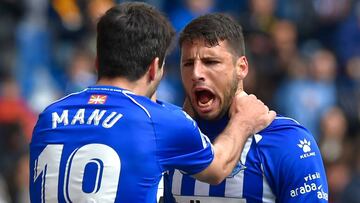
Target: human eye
(211,62)
(187,64)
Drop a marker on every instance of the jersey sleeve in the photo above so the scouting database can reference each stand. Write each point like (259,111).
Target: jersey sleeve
(293,165)
(181,145)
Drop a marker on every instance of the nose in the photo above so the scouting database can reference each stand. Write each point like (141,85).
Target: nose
(198,71)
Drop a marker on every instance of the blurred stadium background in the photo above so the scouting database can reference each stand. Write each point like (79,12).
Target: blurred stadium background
(304,63)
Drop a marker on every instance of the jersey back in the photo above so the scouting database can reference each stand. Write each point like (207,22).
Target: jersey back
(106,144)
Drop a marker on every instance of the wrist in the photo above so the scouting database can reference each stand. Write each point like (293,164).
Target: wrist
(239,129)
(242,125)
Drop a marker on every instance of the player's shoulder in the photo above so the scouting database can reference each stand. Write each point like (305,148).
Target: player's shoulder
(173,113)
(284,133)
(169,106)
(108,97)
(173,109)
(291,161)
(64,100)
(284,128)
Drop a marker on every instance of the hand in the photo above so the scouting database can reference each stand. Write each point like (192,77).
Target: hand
(250,112)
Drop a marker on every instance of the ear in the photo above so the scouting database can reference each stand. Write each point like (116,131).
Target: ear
(154,69)
(242,67)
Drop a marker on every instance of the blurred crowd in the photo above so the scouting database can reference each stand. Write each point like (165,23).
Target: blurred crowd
(304,62)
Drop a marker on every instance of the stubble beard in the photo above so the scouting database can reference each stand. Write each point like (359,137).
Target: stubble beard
(228,98)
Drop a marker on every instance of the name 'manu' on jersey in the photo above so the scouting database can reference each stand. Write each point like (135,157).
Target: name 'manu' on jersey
(106,144)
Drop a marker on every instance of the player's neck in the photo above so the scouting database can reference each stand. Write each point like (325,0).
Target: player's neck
(138,87)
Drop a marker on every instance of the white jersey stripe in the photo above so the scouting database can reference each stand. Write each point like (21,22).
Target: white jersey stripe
(287,118)
(268,196)
(137,103)
(160,190)
(234,186)
(201,188)
(176,186)
(246,150)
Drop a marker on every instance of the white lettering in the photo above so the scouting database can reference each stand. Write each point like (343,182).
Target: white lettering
(312,176)
(106,123)
(322,195)
(293,193)
(96,116)
(306,155)
(79,117)
(60,119)
(307,188)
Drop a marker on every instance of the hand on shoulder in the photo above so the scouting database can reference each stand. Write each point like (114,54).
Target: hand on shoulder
(251,112)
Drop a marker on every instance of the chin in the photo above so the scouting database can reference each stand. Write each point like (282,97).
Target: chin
(209,116)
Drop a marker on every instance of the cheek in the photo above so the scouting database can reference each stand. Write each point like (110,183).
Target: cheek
(184,75)
(225,88)
(186,82)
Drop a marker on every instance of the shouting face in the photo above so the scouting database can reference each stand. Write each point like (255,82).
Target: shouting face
(211,76)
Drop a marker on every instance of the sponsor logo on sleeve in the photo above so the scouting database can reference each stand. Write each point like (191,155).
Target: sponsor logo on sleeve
(309,185)
(305,146)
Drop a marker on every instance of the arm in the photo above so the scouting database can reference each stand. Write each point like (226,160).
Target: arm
(292,163)
(248,115)
(303,174)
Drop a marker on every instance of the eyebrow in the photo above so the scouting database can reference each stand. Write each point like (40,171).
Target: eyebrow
(210,58)
(202,58)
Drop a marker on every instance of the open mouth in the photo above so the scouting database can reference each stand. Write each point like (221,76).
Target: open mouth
(204,98)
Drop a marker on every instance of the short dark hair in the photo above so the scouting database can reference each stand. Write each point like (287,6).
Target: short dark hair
(129,36)
(213,28)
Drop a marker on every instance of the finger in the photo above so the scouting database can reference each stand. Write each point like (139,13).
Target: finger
(242,93)
(261,102)
(253,96)
(272,114)
(266,109)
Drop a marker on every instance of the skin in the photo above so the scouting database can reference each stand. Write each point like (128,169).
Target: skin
(215,70)
(247,111)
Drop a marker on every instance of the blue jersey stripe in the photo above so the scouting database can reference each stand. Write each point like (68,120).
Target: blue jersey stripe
(217,190)
(275,167)
(190,185)
(253,180)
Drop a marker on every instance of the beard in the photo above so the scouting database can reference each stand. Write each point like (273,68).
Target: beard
(228,98)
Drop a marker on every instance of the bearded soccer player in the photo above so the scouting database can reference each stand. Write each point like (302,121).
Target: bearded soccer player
(281,163)
(111,142)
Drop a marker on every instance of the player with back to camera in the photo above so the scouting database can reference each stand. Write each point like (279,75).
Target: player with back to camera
(281,163)
(111,142)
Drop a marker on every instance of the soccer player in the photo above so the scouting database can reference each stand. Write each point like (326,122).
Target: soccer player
(281,163)
(111,142)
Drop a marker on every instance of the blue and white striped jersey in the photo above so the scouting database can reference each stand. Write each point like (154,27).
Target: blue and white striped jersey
(282,163)
(106,144)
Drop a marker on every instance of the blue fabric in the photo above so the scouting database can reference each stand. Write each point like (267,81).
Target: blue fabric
(147,139)
(282,163)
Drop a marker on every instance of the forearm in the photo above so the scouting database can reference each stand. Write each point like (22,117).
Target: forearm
(228,147)
(227,150)
(248,115)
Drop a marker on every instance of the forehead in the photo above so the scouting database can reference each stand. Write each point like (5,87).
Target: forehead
(199,46)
